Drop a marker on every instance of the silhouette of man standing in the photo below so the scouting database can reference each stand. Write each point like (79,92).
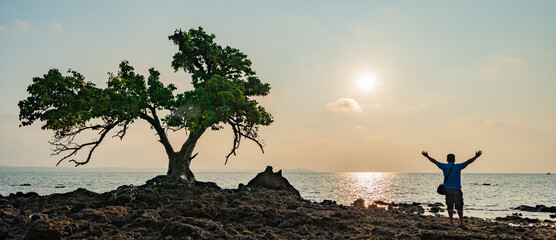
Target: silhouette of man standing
(454,195)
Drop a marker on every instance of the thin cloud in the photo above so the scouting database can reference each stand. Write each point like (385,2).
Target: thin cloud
(344,105)
(491,123)
(501,65)
(18,26)
(360,128)
(56,27)
(22,26)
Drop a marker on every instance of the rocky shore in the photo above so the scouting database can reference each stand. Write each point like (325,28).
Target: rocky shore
(258,210)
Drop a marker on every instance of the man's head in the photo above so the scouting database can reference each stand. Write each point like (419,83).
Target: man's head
(451,158)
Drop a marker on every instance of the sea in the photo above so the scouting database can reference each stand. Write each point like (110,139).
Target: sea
(486,195)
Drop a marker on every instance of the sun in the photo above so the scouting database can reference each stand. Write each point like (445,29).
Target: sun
(366,82)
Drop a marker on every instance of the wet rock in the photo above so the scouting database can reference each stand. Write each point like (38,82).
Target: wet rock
(437,204)
(378,202)
(543,208)
(435,209)
(328,202)
(552,215)
(516,218)
(526,208)
(60,186)
(25,185)
(537,208)
(271,180)
(411,208)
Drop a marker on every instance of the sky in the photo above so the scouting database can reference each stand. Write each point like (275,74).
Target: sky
(357,86)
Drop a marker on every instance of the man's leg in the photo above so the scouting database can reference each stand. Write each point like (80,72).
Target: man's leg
(460,215)
(459,207)
(450,204)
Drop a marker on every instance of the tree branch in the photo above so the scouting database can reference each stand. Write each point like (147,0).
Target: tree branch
(155,123)
(65,143)
(246,131)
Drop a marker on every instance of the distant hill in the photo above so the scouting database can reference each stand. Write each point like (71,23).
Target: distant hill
(78,169)
(121,169)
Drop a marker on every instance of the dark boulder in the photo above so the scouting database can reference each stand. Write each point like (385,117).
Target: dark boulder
(435,209)
(526,208)
(272,180)
(359,203)
(4,234)
(43,230)
(543,208)
(537,208)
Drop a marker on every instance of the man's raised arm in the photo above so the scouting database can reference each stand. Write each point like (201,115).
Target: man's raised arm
(426,154)
(471,160)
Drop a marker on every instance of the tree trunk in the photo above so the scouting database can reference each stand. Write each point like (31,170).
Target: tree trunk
(179,168)
(180,162)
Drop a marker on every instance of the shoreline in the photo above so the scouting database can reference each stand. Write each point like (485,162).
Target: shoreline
(205,211)
(343,194)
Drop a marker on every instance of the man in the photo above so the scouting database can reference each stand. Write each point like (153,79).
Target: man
(454,195)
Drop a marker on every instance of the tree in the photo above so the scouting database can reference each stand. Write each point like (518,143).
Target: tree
(223,87)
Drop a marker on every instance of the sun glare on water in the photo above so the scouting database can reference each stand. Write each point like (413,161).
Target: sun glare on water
(366,82)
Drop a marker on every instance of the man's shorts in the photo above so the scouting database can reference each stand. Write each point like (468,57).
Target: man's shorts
(454,197)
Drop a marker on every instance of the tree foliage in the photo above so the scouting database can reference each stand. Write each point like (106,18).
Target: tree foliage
(223,89)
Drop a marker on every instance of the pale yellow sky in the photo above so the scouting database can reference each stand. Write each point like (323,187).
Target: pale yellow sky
(446,78)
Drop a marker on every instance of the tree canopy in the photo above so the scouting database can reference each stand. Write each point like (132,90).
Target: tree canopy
(223,89)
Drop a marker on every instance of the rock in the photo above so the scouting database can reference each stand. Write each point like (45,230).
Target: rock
(25,185)
(38,217)
(77,207)
(434,209)
(207,185)
(437,204)
(60,186)
(359,203)
(157,180)
(552,215)
(207,212)
(150,199)
(271,180)
(23,195)
(4,234)
(328,202)
(241,187)
(515,217)
(96,232)
(543,208)
(527,208)
(378,202)
(43,230)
